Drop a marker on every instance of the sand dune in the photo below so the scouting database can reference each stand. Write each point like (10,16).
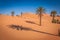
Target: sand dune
(7,33)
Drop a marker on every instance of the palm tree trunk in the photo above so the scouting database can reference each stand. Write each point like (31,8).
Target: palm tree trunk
(53,17)
(21,14)
(40,18)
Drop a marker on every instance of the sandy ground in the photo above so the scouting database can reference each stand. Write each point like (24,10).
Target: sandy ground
(7,33)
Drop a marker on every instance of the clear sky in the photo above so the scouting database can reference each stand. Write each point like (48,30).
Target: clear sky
(18,6)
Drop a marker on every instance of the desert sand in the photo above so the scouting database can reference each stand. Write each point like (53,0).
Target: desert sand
(7,33)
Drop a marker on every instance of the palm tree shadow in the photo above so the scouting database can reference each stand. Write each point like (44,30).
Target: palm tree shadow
(17,27)
(32,22)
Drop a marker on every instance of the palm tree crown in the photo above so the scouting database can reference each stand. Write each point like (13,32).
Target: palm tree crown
(53,13)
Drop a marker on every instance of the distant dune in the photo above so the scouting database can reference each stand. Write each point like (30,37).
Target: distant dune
(7,33)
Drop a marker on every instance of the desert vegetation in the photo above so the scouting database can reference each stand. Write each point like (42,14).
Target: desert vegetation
(17,15)
(21,13)
(53,15)
(12,13)
(40,10)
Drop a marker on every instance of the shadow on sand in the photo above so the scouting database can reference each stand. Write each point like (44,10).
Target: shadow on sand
(28,29)
(32,22)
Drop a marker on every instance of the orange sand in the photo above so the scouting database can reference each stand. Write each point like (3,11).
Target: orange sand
(7,33)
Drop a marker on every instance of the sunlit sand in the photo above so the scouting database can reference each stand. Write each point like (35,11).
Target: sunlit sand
(7,33)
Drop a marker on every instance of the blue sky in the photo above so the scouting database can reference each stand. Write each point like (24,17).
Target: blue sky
(18,6)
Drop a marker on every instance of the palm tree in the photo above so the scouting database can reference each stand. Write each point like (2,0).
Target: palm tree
(40,10)
(12,13)
(53,13)
(21,13)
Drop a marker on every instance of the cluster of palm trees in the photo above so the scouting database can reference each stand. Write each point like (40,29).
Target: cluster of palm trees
(41,10)
(12,13)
